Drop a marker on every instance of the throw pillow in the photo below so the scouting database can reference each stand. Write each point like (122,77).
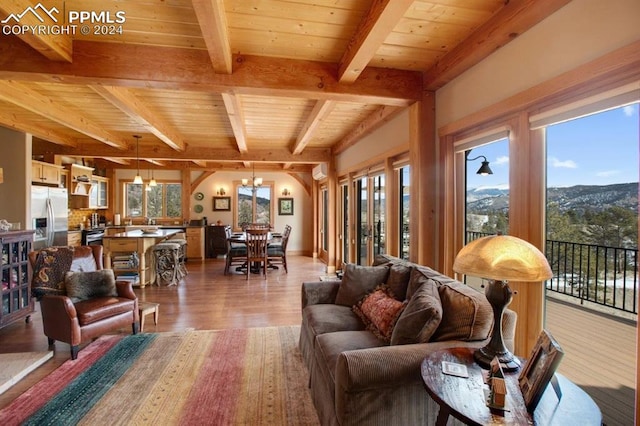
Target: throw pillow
(380,311)
(466,314)
(398,280)
(87,285)
(358,281)
(420,319)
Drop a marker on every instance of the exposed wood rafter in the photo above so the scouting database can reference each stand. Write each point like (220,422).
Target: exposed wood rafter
(124,99)
(383,16)
(368,125)
(11,121)
(236,117)
(54,47)
(213,25)
(20,94)
(320,111)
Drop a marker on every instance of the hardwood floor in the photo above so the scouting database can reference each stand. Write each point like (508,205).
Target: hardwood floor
(205,299)
(599,349)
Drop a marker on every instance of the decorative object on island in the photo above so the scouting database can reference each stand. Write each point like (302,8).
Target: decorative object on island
(500,259)
(539,370)
(285,206)
(484,169)
(138,179)
(221,203)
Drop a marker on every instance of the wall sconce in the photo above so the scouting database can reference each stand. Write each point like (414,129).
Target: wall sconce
(221,191)
(286,192)
(484,169)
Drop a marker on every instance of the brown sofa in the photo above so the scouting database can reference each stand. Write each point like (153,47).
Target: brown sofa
(78,321)
(358,377)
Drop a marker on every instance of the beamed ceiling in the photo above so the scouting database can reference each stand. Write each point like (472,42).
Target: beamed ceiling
(219,84)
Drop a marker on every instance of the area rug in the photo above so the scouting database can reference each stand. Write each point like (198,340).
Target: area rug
(251,376)
(15,366)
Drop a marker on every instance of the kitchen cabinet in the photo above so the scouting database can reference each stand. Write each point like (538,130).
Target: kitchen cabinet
(216,240)
(195,242)
(74,238)
(98,195)
(16,276)
(46,173)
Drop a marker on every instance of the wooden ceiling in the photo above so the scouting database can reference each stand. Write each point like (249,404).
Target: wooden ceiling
(223,83)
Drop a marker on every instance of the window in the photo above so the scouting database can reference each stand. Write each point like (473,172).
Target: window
(404,195)
(161,201)
(254,204)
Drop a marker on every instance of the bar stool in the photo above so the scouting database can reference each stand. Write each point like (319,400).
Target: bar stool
(167,263)
(182,254)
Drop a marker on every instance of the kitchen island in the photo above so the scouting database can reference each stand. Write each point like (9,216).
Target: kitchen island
(130,253)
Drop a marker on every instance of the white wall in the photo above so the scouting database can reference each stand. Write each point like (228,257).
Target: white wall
(395,133)
(581,31)
(15,192)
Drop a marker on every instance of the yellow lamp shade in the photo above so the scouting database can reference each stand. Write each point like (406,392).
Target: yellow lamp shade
(504,258)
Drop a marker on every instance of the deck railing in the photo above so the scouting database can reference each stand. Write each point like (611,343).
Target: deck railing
(607,276)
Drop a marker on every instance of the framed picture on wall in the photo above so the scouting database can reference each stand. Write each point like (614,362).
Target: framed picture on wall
(285,206)
(221,204)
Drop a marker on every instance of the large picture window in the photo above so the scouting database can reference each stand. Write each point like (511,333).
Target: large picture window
(253,204)
(161,201)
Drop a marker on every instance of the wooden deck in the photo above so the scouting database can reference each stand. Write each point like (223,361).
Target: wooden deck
(599,350)
(600,357)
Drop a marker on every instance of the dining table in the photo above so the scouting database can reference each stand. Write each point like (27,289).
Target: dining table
(241,238)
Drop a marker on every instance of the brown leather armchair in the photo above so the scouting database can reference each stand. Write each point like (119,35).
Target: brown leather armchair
(78,322)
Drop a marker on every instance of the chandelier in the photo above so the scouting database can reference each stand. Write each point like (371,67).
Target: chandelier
(256,182)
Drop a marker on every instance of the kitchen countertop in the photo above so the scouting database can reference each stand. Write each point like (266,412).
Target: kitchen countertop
(137,233)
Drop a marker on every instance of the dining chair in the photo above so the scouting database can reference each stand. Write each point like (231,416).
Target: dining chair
(277,252)
(256,241)
(236,252)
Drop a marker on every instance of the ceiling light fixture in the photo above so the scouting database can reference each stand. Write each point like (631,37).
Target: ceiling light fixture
(256,182)
(138,179)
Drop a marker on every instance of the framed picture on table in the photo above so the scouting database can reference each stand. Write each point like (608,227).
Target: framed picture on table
(285,206)
(539,369)
(221,204)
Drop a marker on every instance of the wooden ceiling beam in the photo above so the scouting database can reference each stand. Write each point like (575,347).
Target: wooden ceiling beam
(516,17)
(117,64)
(22,13)
(213,25)
(376,26)
(200,163)
(376,119)
(236,116)
(125,100)
(23,96)
(164,153)
(12,122)
(320,111)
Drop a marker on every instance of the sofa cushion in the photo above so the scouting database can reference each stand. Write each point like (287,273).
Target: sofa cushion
(329,346)
(100,308)
(327,318)
(466,314)
(87,285)
(379,311)
(420,319)
(358,281)
(398,281)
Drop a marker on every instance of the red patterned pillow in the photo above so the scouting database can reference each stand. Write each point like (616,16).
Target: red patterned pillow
(380,311)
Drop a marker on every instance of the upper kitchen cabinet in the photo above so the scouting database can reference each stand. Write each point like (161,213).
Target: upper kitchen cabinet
(45,173)
(80,180)
(98,198)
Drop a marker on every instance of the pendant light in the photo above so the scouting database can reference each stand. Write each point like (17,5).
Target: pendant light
(138,179)
(153,182)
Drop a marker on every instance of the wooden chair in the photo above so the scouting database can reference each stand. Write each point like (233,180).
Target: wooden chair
(277,252)
(236,252)
(256,240)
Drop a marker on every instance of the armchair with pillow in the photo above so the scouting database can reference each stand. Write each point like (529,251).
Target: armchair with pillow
(363,339)
(79,299)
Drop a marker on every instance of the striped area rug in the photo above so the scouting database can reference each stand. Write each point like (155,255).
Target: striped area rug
(251,376)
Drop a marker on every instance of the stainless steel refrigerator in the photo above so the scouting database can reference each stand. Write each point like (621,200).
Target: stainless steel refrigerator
(49,215)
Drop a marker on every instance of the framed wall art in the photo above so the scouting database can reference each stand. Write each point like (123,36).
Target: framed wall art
(285,206)
(539,369)
(221,204)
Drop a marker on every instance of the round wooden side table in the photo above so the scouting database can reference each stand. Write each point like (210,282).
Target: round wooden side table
(463,397)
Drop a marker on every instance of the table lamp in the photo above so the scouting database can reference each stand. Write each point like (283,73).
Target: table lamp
(500,259)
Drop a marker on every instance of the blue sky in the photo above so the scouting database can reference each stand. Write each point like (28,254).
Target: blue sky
(600,149)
